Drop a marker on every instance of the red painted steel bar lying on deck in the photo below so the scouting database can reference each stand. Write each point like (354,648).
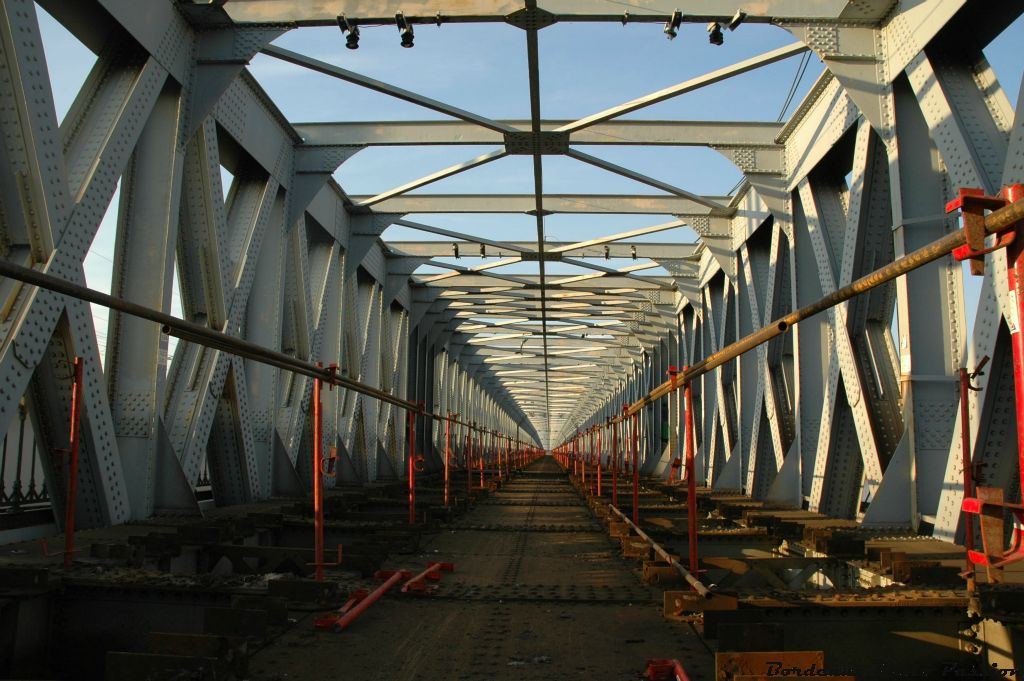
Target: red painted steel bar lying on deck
(666,670)
(433,573)
(338,621)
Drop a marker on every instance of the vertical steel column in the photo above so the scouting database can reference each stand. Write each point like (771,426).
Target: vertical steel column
(412,466)
(691,477)
(599,462)
(318,480)
(69,512)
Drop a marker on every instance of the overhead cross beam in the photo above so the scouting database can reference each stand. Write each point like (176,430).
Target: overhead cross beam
(615,132)
(319,13)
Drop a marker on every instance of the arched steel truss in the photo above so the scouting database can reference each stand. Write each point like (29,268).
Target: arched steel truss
(837,415)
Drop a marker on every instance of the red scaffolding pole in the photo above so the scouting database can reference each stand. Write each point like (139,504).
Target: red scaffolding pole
(988,503)
(480,457)
(412,466)
(615,464)
(469,463)
(691,478)
(636,468)
(75,436)
(318,481)
(447,459)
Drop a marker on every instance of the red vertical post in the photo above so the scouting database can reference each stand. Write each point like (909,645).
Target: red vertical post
(1016,276)
(679,420)
(480,457)
(691,478)
(469,461)
(590,459)
(636,469)
(447,459)
(599,462)
(615,465)
(412,467)
(69,511)
(966,456)
(318,480)
(585,460)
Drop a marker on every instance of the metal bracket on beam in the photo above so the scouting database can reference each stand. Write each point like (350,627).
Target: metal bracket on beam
(546,256)
(531,18)
(544,142)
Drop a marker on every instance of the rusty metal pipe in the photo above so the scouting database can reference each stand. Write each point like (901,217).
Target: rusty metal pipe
(203,335)
(995,222)
(697,585)
(196,333)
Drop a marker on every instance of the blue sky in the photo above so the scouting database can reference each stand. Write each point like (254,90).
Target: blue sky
(482,68)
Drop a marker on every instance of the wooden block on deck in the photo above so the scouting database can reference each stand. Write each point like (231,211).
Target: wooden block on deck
(136,666)
(659,573)
(618,529)
(636,548)
(202,645)
(677,603)
(235,622)
(231,652)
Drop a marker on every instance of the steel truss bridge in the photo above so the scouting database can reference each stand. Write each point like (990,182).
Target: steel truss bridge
(837,415)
